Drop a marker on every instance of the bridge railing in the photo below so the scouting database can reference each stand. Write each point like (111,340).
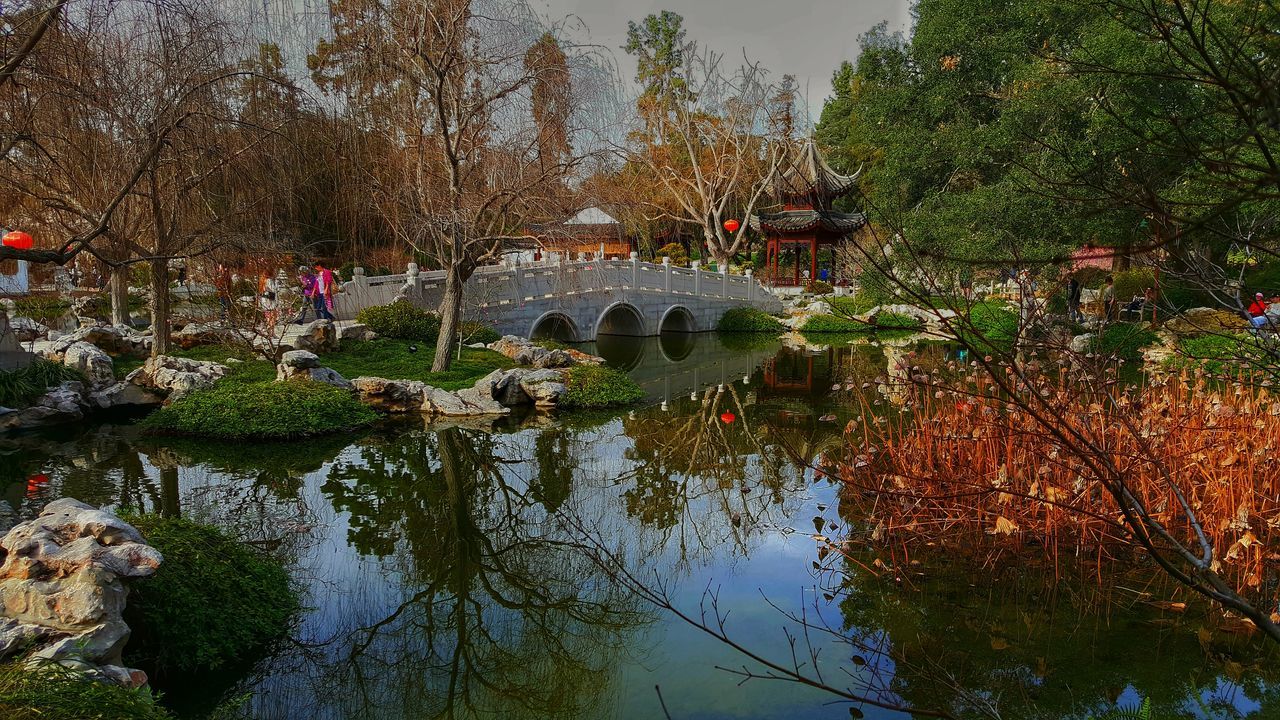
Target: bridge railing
(495,286)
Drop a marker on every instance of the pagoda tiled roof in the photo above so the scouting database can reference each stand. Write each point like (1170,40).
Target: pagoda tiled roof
(805,172)
(799,221)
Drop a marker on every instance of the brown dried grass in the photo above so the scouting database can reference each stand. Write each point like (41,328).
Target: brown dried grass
(976,463)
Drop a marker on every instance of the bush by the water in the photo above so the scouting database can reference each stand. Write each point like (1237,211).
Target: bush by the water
(883,321)
(262,411)
(596,386)
(214,601)
(993,327)
(401,320)
(52,692)
(18,388)
(1124,340)
(748,319)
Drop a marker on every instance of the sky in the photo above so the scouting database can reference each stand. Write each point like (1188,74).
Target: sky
(806,38)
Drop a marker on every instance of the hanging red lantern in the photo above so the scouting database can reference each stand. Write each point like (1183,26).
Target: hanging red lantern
(732,225)
(727,417)
(18,240)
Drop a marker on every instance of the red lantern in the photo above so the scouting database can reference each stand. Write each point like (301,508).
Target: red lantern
(18,240)
(732,225)
(727,417)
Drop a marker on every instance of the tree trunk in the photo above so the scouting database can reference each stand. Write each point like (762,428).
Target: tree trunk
(450,319)
(159,307)
(118,287)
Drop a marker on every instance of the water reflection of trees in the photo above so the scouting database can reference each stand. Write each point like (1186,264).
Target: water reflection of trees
(498,612)
(696,469)
(1044,645)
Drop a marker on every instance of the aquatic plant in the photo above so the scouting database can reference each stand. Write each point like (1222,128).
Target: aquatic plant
(597,386)
(213,602)
(1081,465)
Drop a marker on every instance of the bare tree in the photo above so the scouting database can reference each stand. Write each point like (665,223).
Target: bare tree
(709,144)
(446,86)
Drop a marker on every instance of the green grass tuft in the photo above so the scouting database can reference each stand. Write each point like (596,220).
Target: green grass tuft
(747,319)
(19,388)
(592,386)
(52,692)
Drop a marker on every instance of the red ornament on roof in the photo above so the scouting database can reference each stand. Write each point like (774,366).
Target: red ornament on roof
(18,240)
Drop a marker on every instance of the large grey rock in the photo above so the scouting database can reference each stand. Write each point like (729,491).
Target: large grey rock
(319,336)
(504,387)
(26,329)
(115,340)
(356,331)
(544,387)
(1082,344)
(390,396)
(60,405)
(175,376)
(61,587)
(93,361)
(300,359)
(196,334)
(482,401)
(125,394)
(552,359)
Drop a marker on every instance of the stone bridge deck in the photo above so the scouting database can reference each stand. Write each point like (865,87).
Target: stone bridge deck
(574,301)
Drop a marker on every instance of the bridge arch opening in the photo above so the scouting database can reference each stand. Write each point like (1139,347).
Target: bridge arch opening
(554,326)
(678,319)
(621,319)
(677,346)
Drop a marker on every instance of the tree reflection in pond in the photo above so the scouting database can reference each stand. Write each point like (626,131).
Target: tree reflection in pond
(502,615)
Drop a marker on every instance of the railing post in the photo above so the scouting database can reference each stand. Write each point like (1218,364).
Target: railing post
(635,270)
(697,277)
(751,286)
(666,274)
(412,272)
(517,274)
(724,280)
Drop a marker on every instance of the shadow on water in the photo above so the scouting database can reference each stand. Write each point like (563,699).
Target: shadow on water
(453,570)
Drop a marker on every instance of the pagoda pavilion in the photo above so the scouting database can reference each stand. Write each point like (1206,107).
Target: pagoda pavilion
(806,186)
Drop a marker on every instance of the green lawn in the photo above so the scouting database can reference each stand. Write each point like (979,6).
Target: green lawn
(389,358)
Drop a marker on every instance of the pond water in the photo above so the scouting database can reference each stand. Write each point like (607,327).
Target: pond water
(493,569)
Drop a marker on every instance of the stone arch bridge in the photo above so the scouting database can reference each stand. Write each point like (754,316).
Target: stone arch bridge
(574,301)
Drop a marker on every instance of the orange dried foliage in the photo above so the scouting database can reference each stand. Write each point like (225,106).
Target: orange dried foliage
(966,466)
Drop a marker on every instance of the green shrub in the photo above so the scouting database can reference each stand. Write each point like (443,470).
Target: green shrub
(550,344)
(818,287)
(1124,340)
(1131,283)
(748,319)
(679,256)
(473,331)
(53,692)
(597,386)
(1217,353)
(401,320)
(261,411)
(18,388)
(883,321)
(852,305)
(214,601)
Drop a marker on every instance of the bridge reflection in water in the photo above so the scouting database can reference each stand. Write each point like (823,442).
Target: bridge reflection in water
(677,364)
